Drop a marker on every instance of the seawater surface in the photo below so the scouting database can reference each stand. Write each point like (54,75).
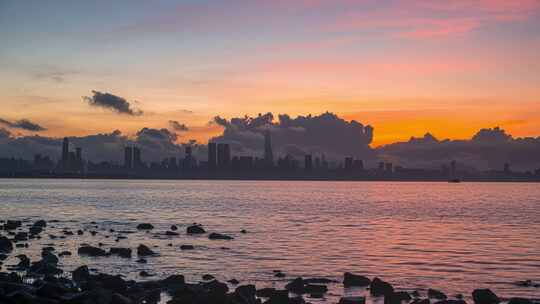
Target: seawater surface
(453,237)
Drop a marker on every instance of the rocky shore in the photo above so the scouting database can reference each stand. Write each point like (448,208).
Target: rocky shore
(44,281)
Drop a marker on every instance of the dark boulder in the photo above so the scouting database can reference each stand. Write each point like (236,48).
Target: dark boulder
(216,287)
(397,297)
(171,233)
(174,228)
(379,288)
(81,274)
(143,250)
(187,247)
(296,286)
(219,236)
(145,226)
(519,301)
(12,225)
(314,289)
(21,236)
(121,252)
(6,246)
(195,229)
(352,300)
(485,296)
(265,292)
(350,279)
(233,281)
(91,251)
(436,294)
(64,253)
(245,294)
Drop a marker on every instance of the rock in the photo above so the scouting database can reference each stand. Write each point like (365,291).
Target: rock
(187,247)
(318,281)
(80,232)
(195,229)
(174,281)
(279,274)
(145,274)
(219,236)
(233,281)
(49,257)
(35,230)
(379,287)
(450,302)
(436,294)
(21,236)
(266,292)
(171,233)
(145,226)
(141,261)
(12,225)
(485,296)
(174,228)
(314,289)
(208,277)
(120,299)
(350,279)
(121,252)
(397,297)
(6,246)
(519,301)
(245,294)
(143,250)
(420,301)
(243,231)
(40,223)
(24,262)
(91,251)
(352,300)
(64,253)
(216,287)
(44,268)
(296,286)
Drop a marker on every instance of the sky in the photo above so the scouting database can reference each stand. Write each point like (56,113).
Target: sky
(403,67)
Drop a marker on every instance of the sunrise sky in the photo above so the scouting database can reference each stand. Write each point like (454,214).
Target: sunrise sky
(405,67)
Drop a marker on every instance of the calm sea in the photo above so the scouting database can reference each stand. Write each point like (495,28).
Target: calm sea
(453,237)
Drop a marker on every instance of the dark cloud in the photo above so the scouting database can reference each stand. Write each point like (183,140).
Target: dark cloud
(23,124)
(180,127)
(112,102)
(326,133)
(4,133)
(487,149)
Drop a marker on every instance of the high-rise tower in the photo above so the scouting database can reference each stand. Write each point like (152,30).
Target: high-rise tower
(268,155)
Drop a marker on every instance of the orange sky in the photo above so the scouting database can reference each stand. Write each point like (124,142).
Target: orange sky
(405,67)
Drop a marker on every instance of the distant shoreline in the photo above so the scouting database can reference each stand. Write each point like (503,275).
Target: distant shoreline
(315,179)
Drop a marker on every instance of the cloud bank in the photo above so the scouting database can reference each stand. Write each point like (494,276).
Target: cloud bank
(176,126)
(111,102)
(23,124)
(487,149)
(322,134)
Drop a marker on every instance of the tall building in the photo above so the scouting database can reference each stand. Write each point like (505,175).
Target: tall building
(65,152)
(348,163)
(137,162)
(268,155)
(223,155)
(128,157)
(78,153)
(308,162)
(212,154)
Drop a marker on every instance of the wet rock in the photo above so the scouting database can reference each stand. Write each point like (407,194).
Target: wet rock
(420,301)
(143,250)
(35,230)
(315,289)
(233,281)
(243,231)
(208,277)
(245,294)
(174,228)
(219,236)
(64,253)
(296,286)
(266,292)
(6,246)
(145,274)
(121,252)
(80,232)
(91,251)
(49,257)
(44,268)
(318,281)
(174,282)
(121,299)
(24,262)
(485,296)
(21,236)
(450,302)
(216,287)
(279,274)
(141,261)
(397,297)
(40,223)
(350,279)
(12,225)
(171,233)
(145,226)
(519,301)
(352,300)
(187,247)
(195,229)
(436,294)
(93,233)
(379,288)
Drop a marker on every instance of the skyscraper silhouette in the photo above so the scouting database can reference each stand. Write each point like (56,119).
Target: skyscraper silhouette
(65,152)
(212,156)
(268,155)
(128,157)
